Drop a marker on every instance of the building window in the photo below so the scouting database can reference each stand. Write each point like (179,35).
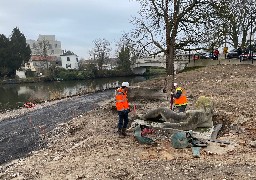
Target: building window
(76,59)
(50,46)
(56,45)
(68,58)
(68,65)
(52,52)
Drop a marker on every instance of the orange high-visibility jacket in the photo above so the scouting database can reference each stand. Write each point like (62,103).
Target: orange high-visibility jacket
(182,100)
(121,100)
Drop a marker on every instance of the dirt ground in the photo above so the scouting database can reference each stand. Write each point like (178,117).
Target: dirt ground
(88,147)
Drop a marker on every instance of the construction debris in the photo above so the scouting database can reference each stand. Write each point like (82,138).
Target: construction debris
(142,139)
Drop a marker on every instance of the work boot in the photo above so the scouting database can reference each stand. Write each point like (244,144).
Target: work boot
(119,132)
(124,132)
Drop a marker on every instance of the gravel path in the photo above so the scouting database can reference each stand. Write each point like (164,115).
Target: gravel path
(20,134)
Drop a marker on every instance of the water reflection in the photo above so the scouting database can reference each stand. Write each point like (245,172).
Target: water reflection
(15,95)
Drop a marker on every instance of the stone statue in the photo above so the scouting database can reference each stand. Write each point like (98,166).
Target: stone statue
(162,117)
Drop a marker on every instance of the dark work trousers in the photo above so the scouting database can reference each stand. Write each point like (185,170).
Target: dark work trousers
(123,119)
(182,108)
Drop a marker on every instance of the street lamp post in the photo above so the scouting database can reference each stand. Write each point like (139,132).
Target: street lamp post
(212,50)
(225,36)
(251,49)
(189,52)
(250,55)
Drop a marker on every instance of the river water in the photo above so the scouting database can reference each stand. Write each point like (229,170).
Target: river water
(13,96)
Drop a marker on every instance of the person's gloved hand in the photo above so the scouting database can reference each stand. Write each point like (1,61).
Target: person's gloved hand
(129,110)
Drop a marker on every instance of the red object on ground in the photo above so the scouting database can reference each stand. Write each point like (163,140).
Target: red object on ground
(29,105)
(146,131)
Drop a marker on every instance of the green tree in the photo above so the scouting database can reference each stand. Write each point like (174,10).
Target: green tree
(19,51)
(126,52)
(91,70)
(123,61)
(4,43)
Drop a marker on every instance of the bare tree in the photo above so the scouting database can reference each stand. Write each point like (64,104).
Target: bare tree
(100,52)
(234,21)
(243,21)
(43,47)
(163,26)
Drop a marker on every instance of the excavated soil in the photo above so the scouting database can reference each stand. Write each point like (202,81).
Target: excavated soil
(87,147)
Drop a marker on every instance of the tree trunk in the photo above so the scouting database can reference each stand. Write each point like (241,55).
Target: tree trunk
(244,34)
(171,33)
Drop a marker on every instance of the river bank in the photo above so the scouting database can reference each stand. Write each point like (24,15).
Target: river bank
(14,96)
(88,148)
(21,130)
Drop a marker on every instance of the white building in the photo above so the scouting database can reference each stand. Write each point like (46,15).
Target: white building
(55,56)
(69,61)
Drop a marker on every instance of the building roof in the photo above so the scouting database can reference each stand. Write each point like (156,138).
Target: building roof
(42,58)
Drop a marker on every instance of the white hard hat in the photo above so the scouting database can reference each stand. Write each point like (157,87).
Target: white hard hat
(126,84)
(175,84)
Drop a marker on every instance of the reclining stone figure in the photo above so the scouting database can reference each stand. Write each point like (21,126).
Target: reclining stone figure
(190,120)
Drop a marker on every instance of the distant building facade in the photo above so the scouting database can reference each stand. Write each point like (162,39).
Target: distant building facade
(47,42)
(39,64)
(46,52)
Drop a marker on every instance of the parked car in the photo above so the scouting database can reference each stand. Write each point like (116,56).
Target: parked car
(202,55)
(205,55)
(247,55)
(234,53)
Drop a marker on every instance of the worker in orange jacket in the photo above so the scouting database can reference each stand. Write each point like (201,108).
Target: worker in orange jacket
(180,98)
(122,106)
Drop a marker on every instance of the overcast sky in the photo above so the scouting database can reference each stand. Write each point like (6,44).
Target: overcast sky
(76,23)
